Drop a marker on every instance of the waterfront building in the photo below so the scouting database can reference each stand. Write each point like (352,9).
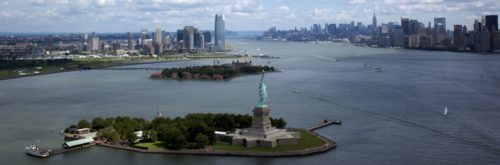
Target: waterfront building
(261,133)
(158,40)
(144,36)
(491,22)
(130,41)
(199,40)
(485,41)
(332,28)
(84,46)
(167,42)
(180,35)
(405,25)
(458,36)
(440,22)
(220,33)
(397,37)
(477,26)
(496,41)
(149,49)
(439,31)
(189,34)
(207,36)
(93,42)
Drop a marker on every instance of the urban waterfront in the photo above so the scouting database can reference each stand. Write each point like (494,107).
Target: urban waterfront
(389,117)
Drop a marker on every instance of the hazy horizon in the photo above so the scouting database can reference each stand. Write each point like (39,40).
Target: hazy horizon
(110,16)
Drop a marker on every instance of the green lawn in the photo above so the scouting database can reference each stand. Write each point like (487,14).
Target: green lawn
(307,140)
(158,145)
(70,66)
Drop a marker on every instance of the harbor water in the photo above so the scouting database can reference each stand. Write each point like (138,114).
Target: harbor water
(390,101)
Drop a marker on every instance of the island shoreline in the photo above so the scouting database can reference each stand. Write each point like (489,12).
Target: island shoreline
(329,145)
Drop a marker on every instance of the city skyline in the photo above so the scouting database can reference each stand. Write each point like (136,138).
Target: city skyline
(241,15)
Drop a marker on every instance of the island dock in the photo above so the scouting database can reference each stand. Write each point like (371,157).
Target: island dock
(324,124)
(63,150)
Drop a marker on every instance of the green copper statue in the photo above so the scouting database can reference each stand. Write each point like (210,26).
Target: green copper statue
(262,93)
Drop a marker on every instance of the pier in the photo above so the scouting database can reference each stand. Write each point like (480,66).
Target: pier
(63,150)
(324,124)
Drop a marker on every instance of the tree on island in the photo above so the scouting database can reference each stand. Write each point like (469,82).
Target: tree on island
(110,134)
(202,139)
(193,131)
(226,72)
(172,137)
(98,124)
(84,124)
(278,123)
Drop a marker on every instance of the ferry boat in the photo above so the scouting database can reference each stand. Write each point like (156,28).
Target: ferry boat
(34,150)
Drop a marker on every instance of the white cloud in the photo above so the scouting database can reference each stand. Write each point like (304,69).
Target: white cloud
(105,2)
(283,8)
(357,1)
(343,16)
(322,14)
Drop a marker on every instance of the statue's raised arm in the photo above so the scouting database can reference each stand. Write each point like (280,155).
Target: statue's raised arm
(262,93)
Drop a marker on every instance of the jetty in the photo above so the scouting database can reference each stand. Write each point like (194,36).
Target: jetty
(324,124)
(63,150)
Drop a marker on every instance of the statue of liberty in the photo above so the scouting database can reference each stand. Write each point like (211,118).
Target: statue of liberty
(262,93)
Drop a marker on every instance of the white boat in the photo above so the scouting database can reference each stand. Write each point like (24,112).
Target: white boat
(445,110)
(34,150)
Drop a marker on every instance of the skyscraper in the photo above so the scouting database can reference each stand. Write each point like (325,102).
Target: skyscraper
(189,34)
(491,22)
(439,31)
(405,25)
(440,21)
(144,36)
(130,43)
(158,41)
(220,33)
(93,42)
(458,36)
(477,26)
(199,40)
(207,36)
(374,21)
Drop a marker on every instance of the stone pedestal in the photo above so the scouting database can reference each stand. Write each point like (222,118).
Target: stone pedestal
(261,133)
(261,125)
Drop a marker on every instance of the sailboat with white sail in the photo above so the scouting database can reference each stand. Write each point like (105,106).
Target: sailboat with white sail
(445,112)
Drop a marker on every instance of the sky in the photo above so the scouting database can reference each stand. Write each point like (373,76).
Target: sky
(241,15)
